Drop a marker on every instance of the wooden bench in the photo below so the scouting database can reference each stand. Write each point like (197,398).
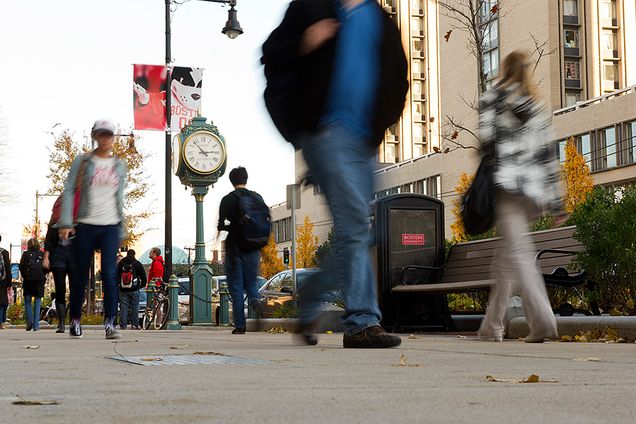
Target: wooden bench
(468,267)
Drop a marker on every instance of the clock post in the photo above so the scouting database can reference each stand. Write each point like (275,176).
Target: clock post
(199,161)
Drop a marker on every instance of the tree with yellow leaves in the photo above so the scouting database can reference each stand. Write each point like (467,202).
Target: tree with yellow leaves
(65,150)
(306,245)
(271,263)
(459,233)
(576,175)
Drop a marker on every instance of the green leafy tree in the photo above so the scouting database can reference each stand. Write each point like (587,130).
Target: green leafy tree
(605,225)
(65,150)
(324,250)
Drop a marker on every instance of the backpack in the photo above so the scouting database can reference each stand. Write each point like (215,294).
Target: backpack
(34,268)
(254,225)
(3,266)
(127,277)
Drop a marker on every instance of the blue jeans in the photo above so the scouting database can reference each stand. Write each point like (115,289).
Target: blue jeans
(3,313)
(32,310)
(89,238)
(341,164)
(241,269)
(129,301)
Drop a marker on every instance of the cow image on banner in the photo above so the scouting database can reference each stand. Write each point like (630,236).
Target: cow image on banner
(149,93)
(185,103)
(149,97)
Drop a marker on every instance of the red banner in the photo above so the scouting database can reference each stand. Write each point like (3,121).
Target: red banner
(149,97)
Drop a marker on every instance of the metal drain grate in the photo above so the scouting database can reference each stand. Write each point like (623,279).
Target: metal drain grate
(150,361)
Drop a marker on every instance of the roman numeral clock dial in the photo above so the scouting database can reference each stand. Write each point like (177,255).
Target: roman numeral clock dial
(203,152)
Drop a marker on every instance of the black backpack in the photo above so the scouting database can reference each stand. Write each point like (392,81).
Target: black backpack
(34,268)
(254,225)
(127,277)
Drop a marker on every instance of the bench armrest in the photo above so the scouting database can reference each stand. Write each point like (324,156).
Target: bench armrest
(423,267)
(542,252)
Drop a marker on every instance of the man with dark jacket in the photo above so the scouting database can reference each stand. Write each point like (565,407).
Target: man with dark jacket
(241,262)
(131,277)
(337,79)
(5,284)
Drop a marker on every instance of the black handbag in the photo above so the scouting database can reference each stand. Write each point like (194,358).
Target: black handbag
(478,204)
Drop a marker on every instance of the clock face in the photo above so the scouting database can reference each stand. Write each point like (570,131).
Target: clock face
(176,153)
(203,152)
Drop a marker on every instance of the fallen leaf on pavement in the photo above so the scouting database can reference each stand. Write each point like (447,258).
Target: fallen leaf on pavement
(404,364)
(412,336)
(459,336)
(587,359)
(329,332)
(32,347)
(26,402)
(209,353)
(276,330)
(533,378)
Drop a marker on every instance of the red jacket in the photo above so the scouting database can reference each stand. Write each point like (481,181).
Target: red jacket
(156,269)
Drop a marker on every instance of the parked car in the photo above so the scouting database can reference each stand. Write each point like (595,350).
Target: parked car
(280,291)
(217,280)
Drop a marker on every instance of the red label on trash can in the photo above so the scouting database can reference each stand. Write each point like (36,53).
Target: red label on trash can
(413,239)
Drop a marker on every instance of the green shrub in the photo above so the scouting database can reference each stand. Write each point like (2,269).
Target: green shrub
(15,313)
(606,225)
(286,310)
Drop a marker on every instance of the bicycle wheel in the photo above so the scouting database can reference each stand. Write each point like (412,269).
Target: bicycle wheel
(148,317)
(161,313)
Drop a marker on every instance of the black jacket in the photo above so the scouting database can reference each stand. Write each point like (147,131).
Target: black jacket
(138,272)
(5,283)
(298,86)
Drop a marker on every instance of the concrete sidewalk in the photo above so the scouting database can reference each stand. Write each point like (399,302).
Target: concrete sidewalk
(440,379)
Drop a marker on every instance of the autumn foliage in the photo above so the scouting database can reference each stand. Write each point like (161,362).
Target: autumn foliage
(306,245)
(576,176)
(271,263)
(65,150)
(459,232)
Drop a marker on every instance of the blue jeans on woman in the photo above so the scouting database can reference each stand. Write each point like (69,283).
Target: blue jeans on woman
(241,269)
(340,162)
(32,310)
(3,313)
(88,238)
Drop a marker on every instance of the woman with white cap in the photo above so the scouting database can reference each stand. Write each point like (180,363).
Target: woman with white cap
(92,213)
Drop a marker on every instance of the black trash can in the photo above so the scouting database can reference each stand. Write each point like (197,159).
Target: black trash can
(408,230)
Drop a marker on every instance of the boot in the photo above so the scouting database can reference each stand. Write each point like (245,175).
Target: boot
(61,316)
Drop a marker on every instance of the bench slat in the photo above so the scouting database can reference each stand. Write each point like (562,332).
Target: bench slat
(443,287)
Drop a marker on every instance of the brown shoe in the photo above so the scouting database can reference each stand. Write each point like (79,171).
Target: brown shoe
(371,338)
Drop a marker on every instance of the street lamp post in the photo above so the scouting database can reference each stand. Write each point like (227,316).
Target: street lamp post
(232,29)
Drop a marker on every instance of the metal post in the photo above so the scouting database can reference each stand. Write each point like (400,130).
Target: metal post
(293,252)
(36,227)
(173,316)
(168,172)
(224,300)
(201,271)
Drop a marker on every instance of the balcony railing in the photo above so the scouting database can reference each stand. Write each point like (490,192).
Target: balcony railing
(596,100)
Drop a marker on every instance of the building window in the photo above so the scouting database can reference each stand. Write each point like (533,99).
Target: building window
(571,38)
(630,141)
(570,8)
(607,10)
(282,230)
(610,76)
(584,146)
(417,7)
(490,40)
(391,153)
(572,70)
(562,144)
(607,148)
(572,97)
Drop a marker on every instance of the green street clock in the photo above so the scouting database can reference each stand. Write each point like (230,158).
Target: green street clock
(199,157)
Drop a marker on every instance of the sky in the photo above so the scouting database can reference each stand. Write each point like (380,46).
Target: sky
(70,62)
